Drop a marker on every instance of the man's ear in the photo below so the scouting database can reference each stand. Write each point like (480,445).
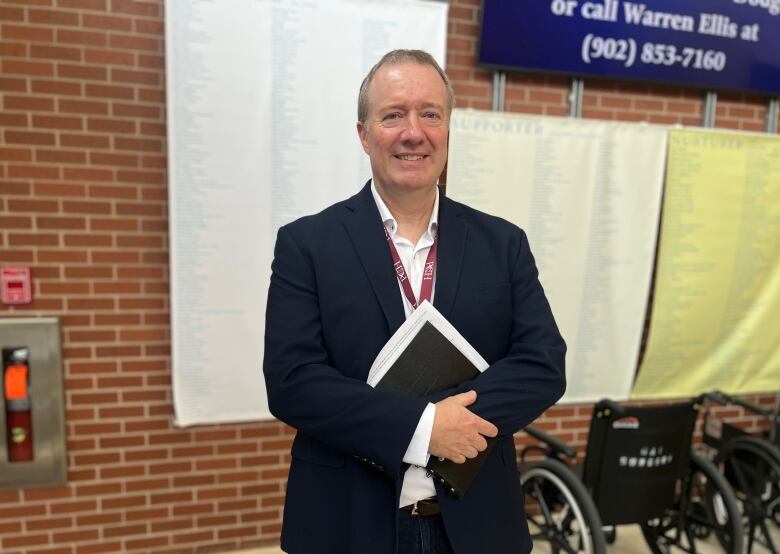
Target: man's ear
(361,129)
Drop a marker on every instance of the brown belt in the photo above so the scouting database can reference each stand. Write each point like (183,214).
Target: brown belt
(425,507)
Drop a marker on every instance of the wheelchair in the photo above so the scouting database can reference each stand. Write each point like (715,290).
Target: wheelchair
(751,465)
(639,468)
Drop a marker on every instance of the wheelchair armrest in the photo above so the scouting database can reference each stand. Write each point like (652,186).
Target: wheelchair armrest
(556,445)
(756,409)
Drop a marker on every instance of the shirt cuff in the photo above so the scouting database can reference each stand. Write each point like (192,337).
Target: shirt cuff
(417,452)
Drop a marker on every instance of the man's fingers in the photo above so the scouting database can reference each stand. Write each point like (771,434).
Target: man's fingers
(486,428)
(466,398)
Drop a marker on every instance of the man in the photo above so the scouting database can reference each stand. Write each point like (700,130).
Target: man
(355,483)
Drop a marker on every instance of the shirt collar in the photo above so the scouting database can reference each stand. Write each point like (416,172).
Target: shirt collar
(392,225)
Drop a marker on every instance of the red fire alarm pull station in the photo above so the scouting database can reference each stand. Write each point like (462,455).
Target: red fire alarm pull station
(18,408)
(15,285)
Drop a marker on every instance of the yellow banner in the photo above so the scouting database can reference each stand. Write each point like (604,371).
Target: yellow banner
(716,306)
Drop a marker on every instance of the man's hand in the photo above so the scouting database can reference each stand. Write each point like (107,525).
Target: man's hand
(457,433)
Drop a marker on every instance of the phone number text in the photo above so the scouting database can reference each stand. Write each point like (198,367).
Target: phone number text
(624,51)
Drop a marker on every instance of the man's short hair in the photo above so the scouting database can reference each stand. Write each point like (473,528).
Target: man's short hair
(397,57)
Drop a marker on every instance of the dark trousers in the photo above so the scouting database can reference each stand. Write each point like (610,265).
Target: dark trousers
(422,534)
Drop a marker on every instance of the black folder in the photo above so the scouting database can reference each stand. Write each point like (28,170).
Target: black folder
(431,363)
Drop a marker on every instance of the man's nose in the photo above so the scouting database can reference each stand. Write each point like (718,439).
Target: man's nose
(413,128)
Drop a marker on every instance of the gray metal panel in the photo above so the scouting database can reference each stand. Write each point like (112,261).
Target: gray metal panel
(49,465)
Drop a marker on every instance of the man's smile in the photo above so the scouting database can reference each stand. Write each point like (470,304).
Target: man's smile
(410,157)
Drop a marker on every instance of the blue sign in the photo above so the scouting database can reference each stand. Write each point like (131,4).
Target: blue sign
(717,44)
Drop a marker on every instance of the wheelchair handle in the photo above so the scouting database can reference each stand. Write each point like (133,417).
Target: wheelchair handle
(713,396)
(556,445)
(605,407)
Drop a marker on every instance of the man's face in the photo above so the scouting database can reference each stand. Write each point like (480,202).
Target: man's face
(405,132)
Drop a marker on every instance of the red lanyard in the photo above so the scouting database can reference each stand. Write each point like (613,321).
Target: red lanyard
(426,288)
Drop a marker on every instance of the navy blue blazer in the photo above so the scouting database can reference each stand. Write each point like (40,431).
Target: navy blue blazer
(333,302)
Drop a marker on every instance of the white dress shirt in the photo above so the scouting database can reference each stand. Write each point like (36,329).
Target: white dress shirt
(417,484)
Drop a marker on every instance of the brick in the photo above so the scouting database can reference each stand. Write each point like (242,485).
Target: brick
(13,84)
(142,145)
(89,303)
(133,544)
(117,351)
(33,172)
(60,222)
(16,256)
(91,335)
(52,17)
(59,190)
(152,95)
(150,27)
(61,156)
(94,5)
(84,141)
(28,33)
(56,87)
(29,206)
(76,536)
(13,49)
(135,8)
(29,137)
(136,111)
(57,122)
(102,548)
(134,42)
(124,160)
(109,57)
(151,61)
(72,206)
(13,120)
(99,489)
(73,507)
(85,38)
(82,72)
(16,154)
(25,540)
(108,91)
(106,22)
(111,125)
(88,174)
(33,239)
(68,105)
(122,472)
(54,52)
(115,287)
(15,222)
(91,368)
(100,224)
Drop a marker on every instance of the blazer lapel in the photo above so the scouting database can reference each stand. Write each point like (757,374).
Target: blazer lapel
(452,245)
(364,226)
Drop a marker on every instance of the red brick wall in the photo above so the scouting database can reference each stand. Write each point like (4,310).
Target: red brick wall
(83,203)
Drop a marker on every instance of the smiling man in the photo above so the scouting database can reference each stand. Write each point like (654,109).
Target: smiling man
(356,482)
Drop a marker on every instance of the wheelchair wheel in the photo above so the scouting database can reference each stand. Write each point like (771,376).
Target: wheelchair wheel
(704,512)
(559,509)
(752,468)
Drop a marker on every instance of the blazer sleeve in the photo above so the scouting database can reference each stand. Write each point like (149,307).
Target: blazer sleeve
(306,392)
(519,387)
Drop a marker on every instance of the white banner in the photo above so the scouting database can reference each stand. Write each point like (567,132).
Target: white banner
(262,105)
(588,195)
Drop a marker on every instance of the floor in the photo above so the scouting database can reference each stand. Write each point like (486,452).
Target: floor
(629,540)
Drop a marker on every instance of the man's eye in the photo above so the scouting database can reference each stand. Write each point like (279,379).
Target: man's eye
(393,115)
(431,115)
